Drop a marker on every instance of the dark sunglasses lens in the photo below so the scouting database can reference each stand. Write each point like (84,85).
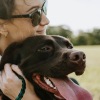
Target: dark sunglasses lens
(36,18)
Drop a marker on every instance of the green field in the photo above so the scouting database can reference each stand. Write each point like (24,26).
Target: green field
(90,80)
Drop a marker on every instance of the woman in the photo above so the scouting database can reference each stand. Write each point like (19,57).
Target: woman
(19,19)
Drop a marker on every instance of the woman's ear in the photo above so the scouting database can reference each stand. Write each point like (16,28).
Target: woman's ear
(3,30)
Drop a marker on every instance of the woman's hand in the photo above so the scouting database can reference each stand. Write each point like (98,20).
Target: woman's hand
(11,85)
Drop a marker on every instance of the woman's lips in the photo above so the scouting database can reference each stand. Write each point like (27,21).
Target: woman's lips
(40,32)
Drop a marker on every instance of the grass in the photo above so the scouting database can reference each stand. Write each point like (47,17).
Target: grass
(90,80)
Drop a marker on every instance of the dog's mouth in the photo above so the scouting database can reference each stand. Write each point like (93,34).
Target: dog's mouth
(63,89)
(47,84)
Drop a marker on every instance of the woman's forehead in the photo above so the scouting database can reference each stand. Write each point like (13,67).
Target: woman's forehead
(22,6)
(29,2)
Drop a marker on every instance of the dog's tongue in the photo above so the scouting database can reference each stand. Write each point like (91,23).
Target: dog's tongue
(71,91)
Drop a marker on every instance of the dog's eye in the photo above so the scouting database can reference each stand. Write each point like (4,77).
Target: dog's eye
(45,49)
(69,45)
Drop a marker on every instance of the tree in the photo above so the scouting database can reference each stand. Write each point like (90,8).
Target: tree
(81,39)
(59,30)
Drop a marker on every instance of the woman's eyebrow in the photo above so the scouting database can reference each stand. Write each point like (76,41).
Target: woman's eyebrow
(32,8)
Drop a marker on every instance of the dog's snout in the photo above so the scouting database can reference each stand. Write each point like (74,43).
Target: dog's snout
(77,56)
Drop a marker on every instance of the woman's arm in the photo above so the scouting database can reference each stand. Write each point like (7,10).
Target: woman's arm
(11,85)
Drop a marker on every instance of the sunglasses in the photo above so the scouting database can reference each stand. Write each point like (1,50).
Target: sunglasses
(35,15)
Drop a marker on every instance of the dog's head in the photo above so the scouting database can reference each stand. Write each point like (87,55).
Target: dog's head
(51,56)
(45,58)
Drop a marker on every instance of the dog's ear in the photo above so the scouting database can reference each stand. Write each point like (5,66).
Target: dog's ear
(11,55)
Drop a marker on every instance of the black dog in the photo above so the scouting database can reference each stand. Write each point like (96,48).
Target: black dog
(45,61)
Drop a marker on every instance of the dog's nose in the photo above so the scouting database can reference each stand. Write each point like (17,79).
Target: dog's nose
(77,57)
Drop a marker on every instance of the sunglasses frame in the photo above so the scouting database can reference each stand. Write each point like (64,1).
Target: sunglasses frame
(39,11)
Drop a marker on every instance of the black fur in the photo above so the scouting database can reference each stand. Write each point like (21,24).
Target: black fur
(45,55)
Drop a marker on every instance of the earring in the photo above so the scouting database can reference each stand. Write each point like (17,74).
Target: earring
(3,32)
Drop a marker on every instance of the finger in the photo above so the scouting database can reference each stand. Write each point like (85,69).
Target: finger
(3,83)
(16,69)
(0,80)
(8,70)
(3,77)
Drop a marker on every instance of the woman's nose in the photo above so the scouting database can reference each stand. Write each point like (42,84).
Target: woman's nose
(44,20)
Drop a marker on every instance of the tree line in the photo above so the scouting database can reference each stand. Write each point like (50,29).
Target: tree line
(83,38)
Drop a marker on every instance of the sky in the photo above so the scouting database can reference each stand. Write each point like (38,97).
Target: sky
(76,14)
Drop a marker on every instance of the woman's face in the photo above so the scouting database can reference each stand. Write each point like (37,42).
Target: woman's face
(20,28)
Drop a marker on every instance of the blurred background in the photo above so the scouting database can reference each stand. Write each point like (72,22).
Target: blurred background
(79,20)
